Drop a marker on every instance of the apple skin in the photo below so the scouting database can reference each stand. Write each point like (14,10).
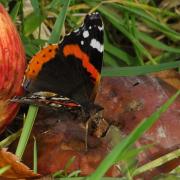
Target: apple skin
(12,67)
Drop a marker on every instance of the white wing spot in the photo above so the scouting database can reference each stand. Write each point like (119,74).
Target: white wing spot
(31,97)
(82,42)
(96,45)
(59,105)
(59,98)
(85,34)
(42,97)
(55,105)
(100,28)
(90,27)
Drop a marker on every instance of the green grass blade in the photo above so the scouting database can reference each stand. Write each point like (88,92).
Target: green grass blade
(108,60)
(142,5)
(133,30)
(84,178)
(35,5)
(166,57)
(68,164)
(35,156)
(4,3)
(32,22)
(119,149)
(117,52)
(133,152)
(4,169)
(54,3)
(159,26)
(157,162)
(15,11)
(58,174)
(155,43)
(176,170)
(7,141)
(31,49)
(21,16)
(57,29)
(32,46)
(138,70)
(26,131)
(74,174)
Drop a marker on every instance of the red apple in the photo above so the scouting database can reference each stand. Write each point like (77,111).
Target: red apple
(12,67)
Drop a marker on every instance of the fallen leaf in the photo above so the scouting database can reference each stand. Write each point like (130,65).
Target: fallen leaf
(17,169)
(60,141)
(171,77)
(128,100)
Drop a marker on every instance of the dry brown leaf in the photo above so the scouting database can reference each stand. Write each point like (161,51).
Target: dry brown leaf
(171,77)
(17,170)
(62,141)
(166,4)
(128,100)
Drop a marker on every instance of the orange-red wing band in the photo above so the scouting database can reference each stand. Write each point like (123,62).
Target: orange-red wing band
(79,54)
(69,104)
(36,63)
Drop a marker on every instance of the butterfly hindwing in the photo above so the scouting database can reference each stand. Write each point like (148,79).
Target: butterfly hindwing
(48,99)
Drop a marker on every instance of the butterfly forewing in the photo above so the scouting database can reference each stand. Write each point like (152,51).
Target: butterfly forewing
(72,67)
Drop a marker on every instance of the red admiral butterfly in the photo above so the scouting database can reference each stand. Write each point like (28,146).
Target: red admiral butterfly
(69,69)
